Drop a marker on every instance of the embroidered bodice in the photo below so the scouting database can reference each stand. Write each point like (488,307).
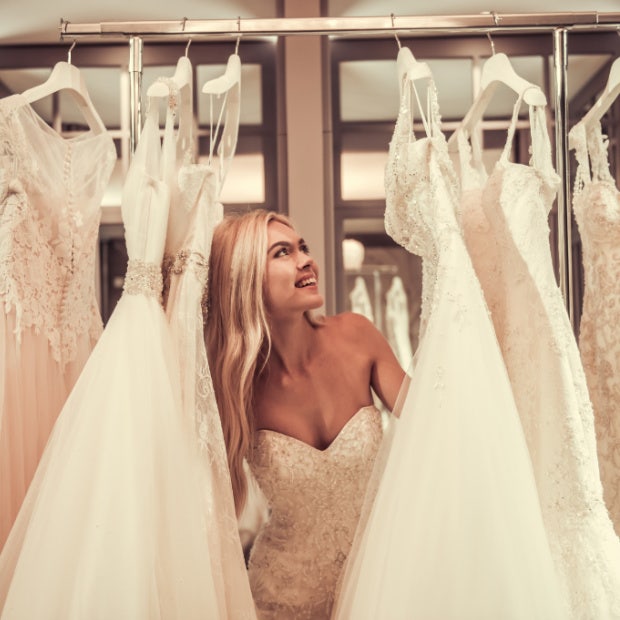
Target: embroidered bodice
(50,196)
(315,498)
(419,196)
(145,204)
(596,204)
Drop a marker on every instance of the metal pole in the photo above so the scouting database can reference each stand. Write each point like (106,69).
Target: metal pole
(405,24)
(560,61)
(135,91)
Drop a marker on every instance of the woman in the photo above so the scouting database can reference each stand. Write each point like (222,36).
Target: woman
(294,395)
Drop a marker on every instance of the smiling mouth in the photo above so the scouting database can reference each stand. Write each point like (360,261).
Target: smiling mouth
(309,281)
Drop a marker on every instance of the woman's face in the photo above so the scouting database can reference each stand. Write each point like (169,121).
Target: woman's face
(291,277)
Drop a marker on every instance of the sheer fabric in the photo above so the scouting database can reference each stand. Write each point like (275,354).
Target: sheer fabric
(195,210)
(453,527)
(596,204)
(114,524)
(504,217)
(315,497)
(50,195)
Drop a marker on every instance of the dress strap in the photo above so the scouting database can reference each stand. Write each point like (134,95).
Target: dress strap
(541,158)
(225,132)
(168,149)
(431,120)
(597,145)
(578,140)
(505,156)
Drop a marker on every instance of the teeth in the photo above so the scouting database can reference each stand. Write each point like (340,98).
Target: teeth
(305,282)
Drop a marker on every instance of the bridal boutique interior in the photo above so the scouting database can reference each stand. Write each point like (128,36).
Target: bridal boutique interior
(319,98)
(341,85)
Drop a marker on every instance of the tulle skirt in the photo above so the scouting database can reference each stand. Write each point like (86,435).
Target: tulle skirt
(33,389)
(199,409)
(452,528)
(113,525)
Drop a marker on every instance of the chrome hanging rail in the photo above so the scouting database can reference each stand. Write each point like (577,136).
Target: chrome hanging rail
(411,24)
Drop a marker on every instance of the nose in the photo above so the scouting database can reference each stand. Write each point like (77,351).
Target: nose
(304,261)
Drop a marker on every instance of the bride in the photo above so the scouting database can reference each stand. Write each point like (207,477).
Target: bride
(294,395)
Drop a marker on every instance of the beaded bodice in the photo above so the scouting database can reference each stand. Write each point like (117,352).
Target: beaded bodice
(50,196)
(421,188)
(315,498)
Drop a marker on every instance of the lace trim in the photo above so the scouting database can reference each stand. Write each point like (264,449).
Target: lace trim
(177,264)
(143,278)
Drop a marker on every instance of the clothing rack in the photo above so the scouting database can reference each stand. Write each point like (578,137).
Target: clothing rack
(398,24)
(556,24)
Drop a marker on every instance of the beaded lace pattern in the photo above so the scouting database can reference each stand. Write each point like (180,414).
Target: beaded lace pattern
(504,217)
(50,192)
(315,498)
(596,204)
(195,210)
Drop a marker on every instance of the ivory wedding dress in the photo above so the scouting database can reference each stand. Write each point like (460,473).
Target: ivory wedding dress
(315,497)
(504,217)
(596,204)
(50,196)
(195,210)
(453,528)
(114,524)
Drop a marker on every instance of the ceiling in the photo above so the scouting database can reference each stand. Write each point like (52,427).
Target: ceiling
(39,22)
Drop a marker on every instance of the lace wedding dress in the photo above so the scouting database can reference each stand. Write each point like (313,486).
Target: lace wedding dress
(195,210)
(114,524)
(452,528)
(504,217)
(596,204)
(315,498)
(50,195)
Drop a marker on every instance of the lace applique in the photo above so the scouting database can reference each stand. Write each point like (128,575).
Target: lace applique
(143,279)
(315,499)
(596,204)
(50,190)
(177,264)
(534,334)
(412,198)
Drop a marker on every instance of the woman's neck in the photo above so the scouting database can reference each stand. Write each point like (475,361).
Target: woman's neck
(292,344)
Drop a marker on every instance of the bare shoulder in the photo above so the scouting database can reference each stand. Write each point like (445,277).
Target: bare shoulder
(353,327)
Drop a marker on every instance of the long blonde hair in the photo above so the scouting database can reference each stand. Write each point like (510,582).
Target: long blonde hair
(237,330)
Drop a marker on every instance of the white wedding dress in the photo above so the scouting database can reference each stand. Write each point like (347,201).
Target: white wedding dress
(453,528)
(195,210)
(504,217)
(114,524)
(596,204)
(50,196)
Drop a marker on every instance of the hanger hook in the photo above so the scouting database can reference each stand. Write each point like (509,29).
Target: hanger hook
(491,42)
(189,42)
(393,26)
(238,35)
(70,50)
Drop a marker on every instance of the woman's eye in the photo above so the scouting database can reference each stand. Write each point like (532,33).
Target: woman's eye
(281,252)
(305,248)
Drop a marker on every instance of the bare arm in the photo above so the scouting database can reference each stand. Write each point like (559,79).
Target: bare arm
(387,374)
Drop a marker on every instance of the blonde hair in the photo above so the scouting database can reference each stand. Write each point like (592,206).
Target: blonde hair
(237,330)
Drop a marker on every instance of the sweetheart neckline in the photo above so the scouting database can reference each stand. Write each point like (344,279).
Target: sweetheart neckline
(332,442)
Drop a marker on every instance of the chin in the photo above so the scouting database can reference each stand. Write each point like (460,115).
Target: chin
(316,303)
